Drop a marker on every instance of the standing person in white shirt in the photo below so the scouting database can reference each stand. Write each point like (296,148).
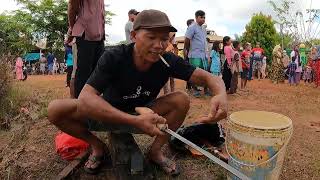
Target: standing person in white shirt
(55,66)
(296,55)
(129,25)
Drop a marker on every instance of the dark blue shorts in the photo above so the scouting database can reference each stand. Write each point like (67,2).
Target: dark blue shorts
(94,125)
(245,74)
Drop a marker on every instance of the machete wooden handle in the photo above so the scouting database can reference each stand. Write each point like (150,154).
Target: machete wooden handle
(145,110)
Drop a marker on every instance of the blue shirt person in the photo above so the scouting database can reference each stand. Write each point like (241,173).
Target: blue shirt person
(215,67)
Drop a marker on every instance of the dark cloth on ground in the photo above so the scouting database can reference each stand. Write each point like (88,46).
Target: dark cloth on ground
(198,134)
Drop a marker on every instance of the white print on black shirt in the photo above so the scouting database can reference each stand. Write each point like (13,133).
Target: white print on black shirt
(137,94)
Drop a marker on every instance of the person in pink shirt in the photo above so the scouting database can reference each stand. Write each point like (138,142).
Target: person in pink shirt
(19,71)
(228,53)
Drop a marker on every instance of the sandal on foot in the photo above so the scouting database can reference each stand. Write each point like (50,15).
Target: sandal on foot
(96,162)
(166,166)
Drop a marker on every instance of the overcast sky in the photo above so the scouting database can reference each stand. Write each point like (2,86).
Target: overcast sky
(226,17)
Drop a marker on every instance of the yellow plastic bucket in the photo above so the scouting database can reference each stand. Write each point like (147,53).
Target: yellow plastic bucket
(256,143)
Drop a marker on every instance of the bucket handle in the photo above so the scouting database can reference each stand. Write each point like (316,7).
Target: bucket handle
(270,159)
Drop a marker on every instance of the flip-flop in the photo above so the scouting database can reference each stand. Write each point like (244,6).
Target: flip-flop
(99,161)
(166,166)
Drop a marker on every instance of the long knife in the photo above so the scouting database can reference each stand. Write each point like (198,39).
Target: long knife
(164,128)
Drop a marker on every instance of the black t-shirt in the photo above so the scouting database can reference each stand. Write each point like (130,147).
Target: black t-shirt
(124,87)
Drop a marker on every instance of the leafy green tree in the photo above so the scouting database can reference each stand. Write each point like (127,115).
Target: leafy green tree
(261,29)
(315,42)
(36,20)
(15,33)
(287,41)
(49,20)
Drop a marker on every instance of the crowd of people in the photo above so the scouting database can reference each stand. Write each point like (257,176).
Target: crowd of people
(295,67)
(224,60)
(46,65)
(234,60)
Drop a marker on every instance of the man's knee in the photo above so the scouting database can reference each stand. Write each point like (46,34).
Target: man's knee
(181,100)
(53,109)
(61,109)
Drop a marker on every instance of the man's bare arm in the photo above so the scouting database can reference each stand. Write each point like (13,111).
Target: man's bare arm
(203,78)
(73,9)
(218,104)
(92,105)
(186,47)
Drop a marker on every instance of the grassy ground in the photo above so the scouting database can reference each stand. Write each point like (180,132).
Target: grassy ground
(27,150)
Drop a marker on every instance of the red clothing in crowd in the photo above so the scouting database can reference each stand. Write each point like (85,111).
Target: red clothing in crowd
(259,51)
(245,59)
(316,68)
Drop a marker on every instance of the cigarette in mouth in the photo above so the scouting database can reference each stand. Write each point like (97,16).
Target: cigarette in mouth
(164,61)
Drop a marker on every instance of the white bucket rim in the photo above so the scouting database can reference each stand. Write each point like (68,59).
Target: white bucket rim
(286,125)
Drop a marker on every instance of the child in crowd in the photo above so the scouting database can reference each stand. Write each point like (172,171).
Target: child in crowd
(55,67)
(307,74)
(69,62)
(235,67)
(292,67)
(245,63)
(296,55)
(214,62)
(257,57)
(227,62)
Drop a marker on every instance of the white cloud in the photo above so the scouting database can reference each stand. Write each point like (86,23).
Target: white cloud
(8,5)
(226,17)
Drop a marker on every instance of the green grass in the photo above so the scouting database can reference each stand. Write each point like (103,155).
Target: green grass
(10,105)
(43,112)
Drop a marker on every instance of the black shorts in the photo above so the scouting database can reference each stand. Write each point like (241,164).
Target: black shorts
(245,74)
(101,126)
(94,125)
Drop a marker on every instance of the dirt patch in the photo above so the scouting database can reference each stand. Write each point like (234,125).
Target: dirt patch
(27,150)
(315,124)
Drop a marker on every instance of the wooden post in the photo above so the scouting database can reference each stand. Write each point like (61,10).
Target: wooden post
(72,166)
(128,160)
